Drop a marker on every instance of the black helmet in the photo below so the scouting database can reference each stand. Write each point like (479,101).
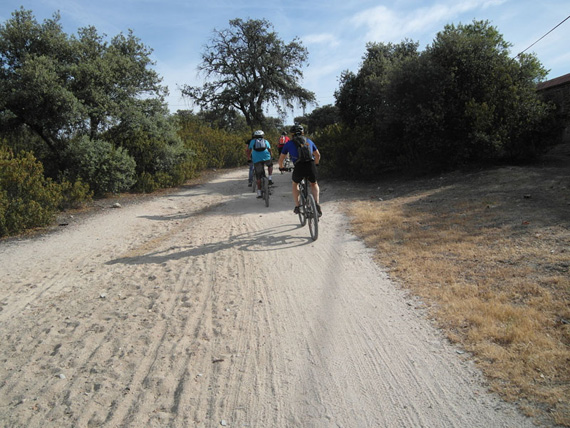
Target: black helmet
(296,130)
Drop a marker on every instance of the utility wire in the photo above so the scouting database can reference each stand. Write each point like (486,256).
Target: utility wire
(562,22)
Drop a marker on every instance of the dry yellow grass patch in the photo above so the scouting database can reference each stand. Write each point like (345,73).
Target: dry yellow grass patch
(489,254)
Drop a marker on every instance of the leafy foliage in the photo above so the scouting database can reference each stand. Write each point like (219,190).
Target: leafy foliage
(74,194)
(248,67)
(320,118)
(212,148)
(35,62)
(99,163)
(27,198)
(61,86)
(461,101)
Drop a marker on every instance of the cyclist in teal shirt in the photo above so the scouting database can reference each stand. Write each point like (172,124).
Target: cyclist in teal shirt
(259,150)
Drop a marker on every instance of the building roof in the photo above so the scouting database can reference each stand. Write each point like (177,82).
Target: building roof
(554,82)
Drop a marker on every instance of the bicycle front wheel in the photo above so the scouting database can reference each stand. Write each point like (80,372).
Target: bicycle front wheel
(313,217)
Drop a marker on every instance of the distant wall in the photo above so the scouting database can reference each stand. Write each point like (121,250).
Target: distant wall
(558,91)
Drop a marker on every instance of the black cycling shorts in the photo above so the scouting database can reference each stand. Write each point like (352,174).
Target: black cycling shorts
(260,168)
(305,169)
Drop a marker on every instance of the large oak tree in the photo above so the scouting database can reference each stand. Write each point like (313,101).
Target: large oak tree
(247,67)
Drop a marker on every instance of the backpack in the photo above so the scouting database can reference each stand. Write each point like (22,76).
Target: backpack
(282,141)
(259,145)
(304,149)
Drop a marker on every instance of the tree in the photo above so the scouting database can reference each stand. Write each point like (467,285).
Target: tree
(485,104)
(249,67)
(35,71)
(364,107)
(320,118)
(361,97)
(463,100)
(63,87)
(109,79)
(229,120)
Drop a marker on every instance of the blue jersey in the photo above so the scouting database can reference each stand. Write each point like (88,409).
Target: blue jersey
(291,148)
(259,156)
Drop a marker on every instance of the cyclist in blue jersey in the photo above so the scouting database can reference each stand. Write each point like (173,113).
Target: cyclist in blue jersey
(303,168)
(259,150)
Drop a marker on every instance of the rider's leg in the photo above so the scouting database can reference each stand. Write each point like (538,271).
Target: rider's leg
(315,191)
(259,172)
(295,189)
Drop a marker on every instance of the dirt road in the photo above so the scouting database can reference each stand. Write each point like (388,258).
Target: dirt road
(205,308)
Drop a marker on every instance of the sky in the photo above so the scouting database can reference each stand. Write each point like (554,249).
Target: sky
(335,32)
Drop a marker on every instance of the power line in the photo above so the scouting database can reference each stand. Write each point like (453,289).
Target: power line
(562,22)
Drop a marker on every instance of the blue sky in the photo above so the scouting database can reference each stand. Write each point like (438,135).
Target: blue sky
(335,32)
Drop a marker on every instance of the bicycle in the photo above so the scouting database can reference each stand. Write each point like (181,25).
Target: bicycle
(287,165)
(308,209)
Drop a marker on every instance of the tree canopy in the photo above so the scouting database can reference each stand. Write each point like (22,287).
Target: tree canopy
(247,68)
(66,87)
(462,100)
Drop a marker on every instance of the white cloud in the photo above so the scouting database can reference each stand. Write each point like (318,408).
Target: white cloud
(323,38)
(387,25)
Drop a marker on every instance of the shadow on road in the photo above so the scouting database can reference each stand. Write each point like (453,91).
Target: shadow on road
(271,239)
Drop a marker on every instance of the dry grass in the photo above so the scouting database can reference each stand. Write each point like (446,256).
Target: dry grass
(489,253)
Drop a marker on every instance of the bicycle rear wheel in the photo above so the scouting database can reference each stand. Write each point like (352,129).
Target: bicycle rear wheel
(313,218)
(265,190)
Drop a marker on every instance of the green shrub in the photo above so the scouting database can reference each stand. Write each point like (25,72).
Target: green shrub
(104,168)
(27,198)
(348,152)
(74,195)
(212,148)
(146,183)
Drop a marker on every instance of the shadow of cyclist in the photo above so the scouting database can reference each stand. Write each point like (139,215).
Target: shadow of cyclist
(272,239)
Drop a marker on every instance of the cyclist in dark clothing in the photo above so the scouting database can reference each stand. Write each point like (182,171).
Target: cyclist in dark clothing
(302,169)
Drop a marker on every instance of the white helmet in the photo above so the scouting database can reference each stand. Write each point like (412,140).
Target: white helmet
(258,133)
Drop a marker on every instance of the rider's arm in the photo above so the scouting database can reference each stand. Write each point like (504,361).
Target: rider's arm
(281,160)
(317,155)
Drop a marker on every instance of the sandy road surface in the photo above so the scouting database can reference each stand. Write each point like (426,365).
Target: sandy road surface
(204,308)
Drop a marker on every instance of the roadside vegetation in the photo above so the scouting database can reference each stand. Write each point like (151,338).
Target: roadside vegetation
(83,116)
(488,253)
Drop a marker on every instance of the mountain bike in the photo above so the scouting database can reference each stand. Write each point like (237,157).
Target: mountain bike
(287,165)
(308,209)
